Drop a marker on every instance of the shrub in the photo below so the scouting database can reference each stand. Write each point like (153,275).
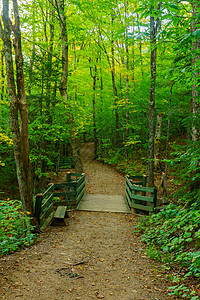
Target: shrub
(173,236)
(13,233)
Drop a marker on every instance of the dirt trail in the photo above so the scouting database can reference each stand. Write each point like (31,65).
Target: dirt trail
(96,256)
(109,181)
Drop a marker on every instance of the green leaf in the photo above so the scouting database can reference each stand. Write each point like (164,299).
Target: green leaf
(196,33)
(174,6)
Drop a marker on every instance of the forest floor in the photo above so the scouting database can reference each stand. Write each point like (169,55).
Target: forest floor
(96,256)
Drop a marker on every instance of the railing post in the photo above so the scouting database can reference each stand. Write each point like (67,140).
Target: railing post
(144,183)
(144,180)
(38,206)
(155,197)
(68,177)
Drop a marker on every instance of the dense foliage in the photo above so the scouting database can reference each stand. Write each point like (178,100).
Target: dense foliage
(13,233)
(173,237)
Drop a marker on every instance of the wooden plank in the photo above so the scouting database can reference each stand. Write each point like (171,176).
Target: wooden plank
(80,196)
(76,174)
(143,198)
(109,203)
(72,183)
(59,194)
(60,212)
(143,189)
(38,206)
(80,187)
(59,217)
(142,207)
(49,190)
(144,180)
(59,185)
(135,177)
(46,213)
(128,199)
(82,178)
(47,202)
(136,183)
(68,177)
(128,183)
(129,191)
(65,184)
(61,203)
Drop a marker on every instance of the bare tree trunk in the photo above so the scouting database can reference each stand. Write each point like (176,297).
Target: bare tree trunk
(127,78)
(115,89)
(140,49)
(101,118)
(32,59)
(157,140)
(2,76)
(152,102)
(195,58)
(153,30)
(94,77)
(164,175)
(195,89)
(18,106)
(64,84)
(49,69)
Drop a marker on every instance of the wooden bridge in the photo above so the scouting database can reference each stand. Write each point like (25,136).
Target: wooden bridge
(60,197)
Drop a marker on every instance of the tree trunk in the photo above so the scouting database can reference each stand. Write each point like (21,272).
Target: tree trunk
(195,90)
(2,76)
(140,49)
(153,30)
(127,78)
(157,140)
(94,77)
(49,69)
(64,84)
(152,102)
(164,177)
(18,107)
(32,59)
(115,90)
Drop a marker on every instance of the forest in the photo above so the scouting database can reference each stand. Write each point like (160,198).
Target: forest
(122,74)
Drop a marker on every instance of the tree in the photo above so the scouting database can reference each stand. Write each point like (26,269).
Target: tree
(18,106)
(64,85)
(195,88)
(153,31)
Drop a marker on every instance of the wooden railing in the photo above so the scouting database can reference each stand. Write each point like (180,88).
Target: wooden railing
(62,162)
(69,193)
(138,195)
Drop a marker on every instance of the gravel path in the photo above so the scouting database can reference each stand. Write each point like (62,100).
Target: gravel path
(96,256)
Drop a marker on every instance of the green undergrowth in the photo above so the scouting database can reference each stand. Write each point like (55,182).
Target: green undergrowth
(13,234)
(134,164)
(173,237)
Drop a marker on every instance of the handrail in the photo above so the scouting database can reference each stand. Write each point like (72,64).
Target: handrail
(140,201)
(74,191)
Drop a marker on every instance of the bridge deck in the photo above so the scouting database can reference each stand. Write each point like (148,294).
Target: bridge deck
(107,203)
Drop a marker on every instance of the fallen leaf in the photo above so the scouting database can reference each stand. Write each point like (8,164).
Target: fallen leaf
(99,296)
